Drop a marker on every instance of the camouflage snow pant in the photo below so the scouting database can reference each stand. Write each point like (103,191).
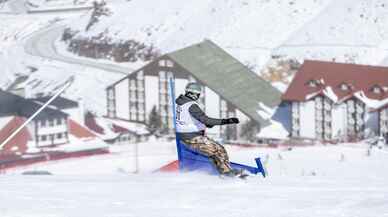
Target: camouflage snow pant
(216,152)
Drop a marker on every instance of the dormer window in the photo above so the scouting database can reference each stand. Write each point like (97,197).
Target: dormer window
(163,63)
(166,63)
(316,82)
(312,83)
(170,63)
(344,87)
(376,89)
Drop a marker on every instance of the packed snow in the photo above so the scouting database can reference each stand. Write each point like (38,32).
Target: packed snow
(325,181)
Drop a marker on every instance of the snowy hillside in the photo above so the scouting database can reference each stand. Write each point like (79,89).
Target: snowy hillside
(349,30)
(47,75)
(247,29)
(251,30)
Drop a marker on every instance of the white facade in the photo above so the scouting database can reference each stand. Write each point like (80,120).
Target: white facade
(339,121)
(50,131)
(133,97)
(322,119)
(307,118)
(125,100)
(122,99)
(151,96)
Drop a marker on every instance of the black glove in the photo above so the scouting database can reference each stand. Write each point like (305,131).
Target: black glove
(230,121)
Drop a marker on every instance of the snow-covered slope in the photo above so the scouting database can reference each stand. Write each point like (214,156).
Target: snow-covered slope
(251,30)
(321,181)
(248,29)
(352,31)
(13,30)
(348,30)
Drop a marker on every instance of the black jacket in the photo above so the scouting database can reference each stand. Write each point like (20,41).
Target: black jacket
(198,114)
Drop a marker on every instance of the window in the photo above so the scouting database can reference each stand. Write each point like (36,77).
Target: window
(376,89)
(132,115)
(59,135)
(59,121)
(51,122)
(111,93)
(141,107)
(162,63)
(141,96)
(170,75)
(43,138)
(170,63)
(344,87)
(43,123)
(312,83)
(140,84)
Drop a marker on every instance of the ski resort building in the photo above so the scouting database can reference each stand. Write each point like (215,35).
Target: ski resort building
(49,130)
(231,89)
(336,101)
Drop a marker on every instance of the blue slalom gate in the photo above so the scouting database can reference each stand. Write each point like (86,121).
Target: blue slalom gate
(191,160)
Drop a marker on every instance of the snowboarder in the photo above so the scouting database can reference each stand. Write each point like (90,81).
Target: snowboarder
(191,123)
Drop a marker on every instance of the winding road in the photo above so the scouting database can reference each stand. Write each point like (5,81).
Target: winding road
(42,44)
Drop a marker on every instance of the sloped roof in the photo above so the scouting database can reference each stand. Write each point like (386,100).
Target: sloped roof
(12,104)
(18,144)
(18,83)
(228,77)
(359,78)
(59,102)
(79,131)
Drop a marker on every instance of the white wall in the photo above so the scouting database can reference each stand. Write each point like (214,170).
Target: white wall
(371,123)
(212,103)
(54,129)
(151,93)
(339,120)
(307,119)
(122,99)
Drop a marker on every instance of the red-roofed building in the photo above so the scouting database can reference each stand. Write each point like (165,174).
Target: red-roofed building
(337,101)
(51,130)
